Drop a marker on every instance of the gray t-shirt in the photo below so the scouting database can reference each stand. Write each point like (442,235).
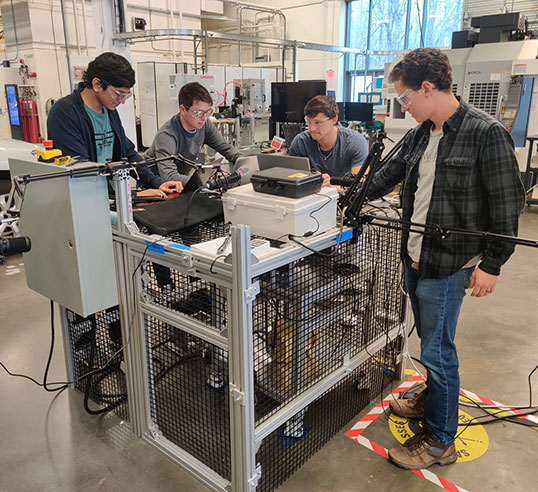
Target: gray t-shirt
(172,139)
(349,151)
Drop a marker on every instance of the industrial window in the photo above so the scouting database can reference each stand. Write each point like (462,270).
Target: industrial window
(394,25)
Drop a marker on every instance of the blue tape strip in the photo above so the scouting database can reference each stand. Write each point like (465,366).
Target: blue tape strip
(159,248)
(345,236)
(155,247)
(178,246)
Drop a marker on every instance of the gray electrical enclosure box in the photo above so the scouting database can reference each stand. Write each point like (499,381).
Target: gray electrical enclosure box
(68,222)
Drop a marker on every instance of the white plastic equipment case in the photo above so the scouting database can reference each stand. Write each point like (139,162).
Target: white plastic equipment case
(275,217)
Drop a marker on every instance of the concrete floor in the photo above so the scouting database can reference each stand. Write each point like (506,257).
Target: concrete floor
(49,443)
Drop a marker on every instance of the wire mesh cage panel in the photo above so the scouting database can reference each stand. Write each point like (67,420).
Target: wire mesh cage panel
(96,342)
(313,312)
(182,293)
(205,231)
(188,392)
(280,454)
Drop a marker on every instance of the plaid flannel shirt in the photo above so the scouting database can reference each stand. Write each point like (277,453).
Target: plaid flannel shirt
(477,187)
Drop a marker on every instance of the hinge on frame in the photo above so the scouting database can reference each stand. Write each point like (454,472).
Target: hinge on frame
(251,293)
(154,430)
(253,481)
(237,395)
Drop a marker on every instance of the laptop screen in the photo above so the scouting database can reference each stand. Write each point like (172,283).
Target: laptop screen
(246,166)
(200,177)
(267,161)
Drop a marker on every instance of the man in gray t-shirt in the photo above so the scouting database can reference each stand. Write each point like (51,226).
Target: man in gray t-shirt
(186,132)
(332,149)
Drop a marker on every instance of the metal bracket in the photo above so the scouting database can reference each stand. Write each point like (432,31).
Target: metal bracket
(253,481)
(280,212)
(155,431)
(231,203)
(237,395)
(187,261)
(132,228)
(347,363)
(249,295)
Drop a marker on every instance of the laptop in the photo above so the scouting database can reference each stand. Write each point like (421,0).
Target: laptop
(246,166)
(200,177)
(268,161)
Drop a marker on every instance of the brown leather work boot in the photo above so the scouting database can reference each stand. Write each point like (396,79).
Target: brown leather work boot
(412,408)
(422,451)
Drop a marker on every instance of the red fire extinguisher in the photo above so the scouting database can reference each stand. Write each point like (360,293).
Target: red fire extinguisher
(30,125)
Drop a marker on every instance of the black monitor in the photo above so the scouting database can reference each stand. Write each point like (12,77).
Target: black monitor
(359,111)
(12,98)
(288,99)
(341,112)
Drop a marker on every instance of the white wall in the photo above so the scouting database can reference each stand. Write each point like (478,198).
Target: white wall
(319,23)
(47,56)
(315,22)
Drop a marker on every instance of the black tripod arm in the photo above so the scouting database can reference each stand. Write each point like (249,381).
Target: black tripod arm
(443,232)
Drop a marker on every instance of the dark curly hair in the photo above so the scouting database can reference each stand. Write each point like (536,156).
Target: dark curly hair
(110,68)
(321,104)
(424,64)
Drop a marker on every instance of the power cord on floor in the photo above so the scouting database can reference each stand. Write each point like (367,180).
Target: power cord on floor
(88,387)
(64,384)
(493,417)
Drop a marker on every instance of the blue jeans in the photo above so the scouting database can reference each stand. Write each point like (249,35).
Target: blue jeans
(436,304)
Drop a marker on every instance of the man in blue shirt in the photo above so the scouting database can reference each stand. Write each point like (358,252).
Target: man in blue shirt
(86,125)
(332,149)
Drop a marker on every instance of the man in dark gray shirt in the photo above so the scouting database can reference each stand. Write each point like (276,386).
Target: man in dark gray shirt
(332,149)
(186,132)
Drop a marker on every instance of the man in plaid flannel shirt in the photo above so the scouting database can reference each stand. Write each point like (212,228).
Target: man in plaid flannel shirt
(460,172)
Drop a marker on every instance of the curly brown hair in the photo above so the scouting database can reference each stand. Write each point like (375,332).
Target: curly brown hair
(321,104)
(423,64)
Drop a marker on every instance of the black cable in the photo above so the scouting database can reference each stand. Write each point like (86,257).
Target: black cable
(160,344)
(47,367)
(291,237)
(101,378)
(186,219)
(93,347)
(186,358)
(213,263)
(530,385)
(22,375)
(496,418)
(116,369)
(65,384)
(311,233)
